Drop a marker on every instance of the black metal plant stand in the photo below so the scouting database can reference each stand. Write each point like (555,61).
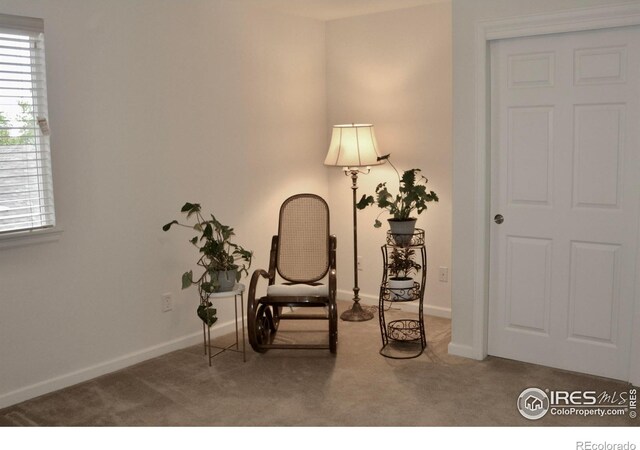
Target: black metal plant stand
(403,338)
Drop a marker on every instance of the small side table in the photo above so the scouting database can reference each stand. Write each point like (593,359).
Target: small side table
(236,292)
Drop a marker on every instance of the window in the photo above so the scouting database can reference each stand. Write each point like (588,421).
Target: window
(26,190)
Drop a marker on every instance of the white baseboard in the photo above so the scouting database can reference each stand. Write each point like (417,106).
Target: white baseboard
(88,373)
(371,300)
(466,351)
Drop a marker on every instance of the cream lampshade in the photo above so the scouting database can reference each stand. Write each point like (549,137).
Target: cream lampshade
(353,145)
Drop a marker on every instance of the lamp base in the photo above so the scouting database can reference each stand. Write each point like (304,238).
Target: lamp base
(356,314)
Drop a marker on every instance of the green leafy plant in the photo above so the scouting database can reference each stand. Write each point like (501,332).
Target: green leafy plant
(401,262)
(412,196)
(217,253)
(207,313)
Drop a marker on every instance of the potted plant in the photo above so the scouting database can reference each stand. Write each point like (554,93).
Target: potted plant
(401,266)
(222,261)
(412,196)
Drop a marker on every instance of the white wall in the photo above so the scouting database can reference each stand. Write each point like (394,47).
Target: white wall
(153,103)
(466,337)
(393,69)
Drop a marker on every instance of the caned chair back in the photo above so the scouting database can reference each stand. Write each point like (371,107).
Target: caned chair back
(303,239)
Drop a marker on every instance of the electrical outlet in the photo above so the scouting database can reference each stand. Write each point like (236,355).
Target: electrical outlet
(444,274)
(359,262)
(167,302)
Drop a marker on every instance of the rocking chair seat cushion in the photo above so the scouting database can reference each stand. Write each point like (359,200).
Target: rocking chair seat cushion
(298,290)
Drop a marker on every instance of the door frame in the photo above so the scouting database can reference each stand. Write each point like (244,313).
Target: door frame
(582,19)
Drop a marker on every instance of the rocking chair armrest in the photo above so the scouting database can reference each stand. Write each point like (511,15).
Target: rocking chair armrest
(332,286)
(333,243)
(254,283)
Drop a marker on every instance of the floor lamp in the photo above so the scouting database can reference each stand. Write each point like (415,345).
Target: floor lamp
(354,148)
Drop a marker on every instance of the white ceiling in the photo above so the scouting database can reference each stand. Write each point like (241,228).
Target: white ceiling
(335,9)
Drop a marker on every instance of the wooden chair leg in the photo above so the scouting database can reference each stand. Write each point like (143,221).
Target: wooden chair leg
(333,328)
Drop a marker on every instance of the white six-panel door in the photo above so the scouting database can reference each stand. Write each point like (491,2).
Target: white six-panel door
(565,151)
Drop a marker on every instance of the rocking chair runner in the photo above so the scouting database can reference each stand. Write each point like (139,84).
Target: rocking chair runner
(302,253)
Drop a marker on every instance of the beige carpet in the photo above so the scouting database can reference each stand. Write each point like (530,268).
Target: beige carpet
(313,388)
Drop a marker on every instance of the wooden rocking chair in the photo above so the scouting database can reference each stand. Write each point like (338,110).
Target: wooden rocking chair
(303,253)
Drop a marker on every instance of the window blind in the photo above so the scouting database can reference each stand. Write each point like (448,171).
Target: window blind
(26,190)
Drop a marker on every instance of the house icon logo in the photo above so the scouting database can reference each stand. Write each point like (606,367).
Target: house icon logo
(533,403)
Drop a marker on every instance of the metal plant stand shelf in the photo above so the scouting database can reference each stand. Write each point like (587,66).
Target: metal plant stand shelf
(236,292)
(403,338)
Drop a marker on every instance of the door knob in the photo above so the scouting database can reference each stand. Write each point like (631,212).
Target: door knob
(498,219)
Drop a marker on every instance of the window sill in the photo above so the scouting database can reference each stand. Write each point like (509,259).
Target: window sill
(23,238)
